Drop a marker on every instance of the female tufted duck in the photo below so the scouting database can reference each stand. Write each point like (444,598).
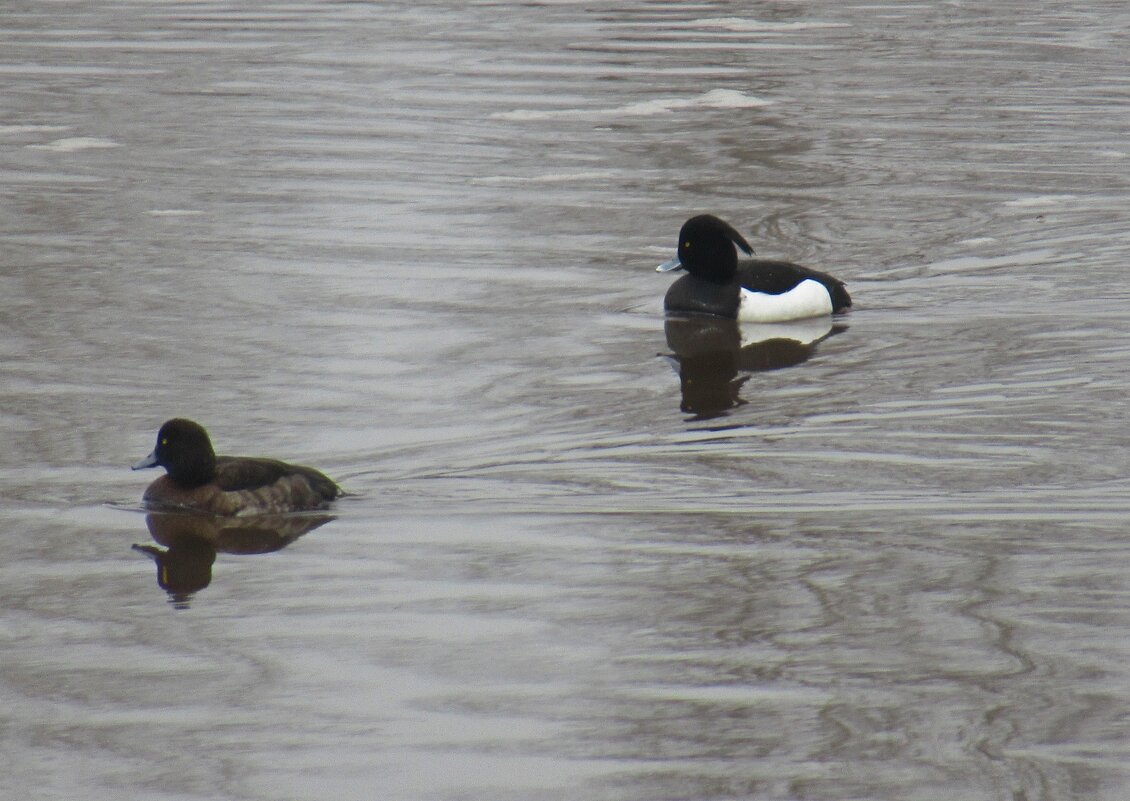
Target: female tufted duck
(198,480)
(757,290)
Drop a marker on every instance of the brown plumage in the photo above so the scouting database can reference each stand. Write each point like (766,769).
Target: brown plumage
(199,480)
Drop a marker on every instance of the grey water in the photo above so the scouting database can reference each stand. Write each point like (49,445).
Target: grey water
(587,553)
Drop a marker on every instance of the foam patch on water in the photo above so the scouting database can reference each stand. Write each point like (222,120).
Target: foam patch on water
(75,143)
(713,99)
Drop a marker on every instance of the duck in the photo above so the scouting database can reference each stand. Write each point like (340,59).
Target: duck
(197,480)
(755,290)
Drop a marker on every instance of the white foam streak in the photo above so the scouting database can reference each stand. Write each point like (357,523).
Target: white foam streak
(1037,201)
(76,143)
(713,99)
(739,25)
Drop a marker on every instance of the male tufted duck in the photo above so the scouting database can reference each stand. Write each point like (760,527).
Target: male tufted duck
(757,290)
(199,480)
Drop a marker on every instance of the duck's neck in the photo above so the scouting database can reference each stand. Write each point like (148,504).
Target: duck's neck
(196,473)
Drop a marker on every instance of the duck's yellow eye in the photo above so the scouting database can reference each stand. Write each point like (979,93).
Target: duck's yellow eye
(165,441)
(687,244)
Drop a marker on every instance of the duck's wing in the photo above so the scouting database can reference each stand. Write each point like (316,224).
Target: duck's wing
(236,473)
(778,277)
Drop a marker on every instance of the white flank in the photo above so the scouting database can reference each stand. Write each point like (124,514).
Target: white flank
(807,299)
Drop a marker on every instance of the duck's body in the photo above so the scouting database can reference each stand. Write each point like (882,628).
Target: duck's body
(756,290)
(198,480)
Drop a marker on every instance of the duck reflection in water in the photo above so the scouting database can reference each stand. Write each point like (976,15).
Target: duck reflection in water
(712,353)
(191,542)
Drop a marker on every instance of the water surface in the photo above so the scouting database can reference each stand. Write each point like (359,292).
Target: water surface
(586,554)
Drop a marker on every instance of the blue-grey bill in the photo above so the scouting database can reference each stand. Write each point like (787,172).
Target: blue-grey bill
(667,266)
(148,461)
